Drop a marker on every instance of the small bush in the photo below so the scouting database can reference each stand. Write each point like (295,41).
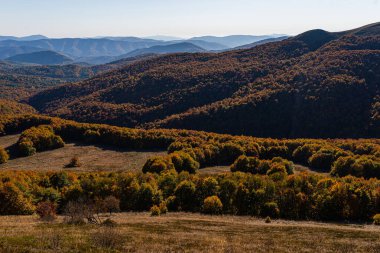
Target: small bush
(158,164)
(111,205)
(39,138)
(212,205)
(163,208)
(109,223)
(268,219)
(25,148)
(270,209)
(76,213)
(3,156)
(155,211)
(184,162)
(376,219)
(46,211)
(246,164)
(107,238)
(74,163)
(277,168)
(171,203)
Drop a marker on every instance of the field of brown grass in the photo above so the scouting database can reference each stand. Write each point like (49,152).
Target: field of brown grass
(92,158)
(183,232)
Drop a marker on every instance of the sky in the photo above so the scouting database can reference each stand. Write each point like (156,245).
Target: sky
(182,18)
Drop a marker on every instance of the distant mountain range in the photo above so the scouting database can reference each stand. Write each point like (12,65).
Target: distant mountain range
(167,49)
(235,40)
(26,38)
(262,42)
(102,50)
(317,84)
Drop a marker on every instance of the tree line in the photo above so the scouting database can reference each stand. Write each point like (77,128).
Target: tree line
(192,150)
(299,196)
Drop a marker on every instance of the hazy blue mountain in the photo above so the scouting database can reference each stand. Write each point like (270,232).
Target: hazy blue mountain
(235,40)
(76,48)
(42,58)
(101,50)
(163,38)
(210,46)
(26,38)
(126,39)
(261,42)
(183,47)
(6,52)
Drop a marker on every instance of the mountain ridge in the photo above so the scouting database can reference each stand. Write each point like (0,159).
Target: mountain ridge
(298,87)
(41,58)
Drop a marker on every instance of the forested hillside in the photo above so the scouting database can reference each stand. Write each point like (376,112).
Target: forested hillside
(18,81)
(317,84)
(262,182)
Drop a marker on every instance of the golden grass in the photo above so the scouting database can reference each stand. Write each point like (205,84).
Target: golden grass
(92,158)
(182,232)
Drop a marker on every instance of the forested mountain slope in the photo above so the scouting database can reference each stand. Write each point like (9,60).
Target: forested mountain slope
(317,84)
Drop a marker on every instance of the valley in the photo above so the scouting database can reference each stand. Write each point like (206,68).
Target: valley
(236,143)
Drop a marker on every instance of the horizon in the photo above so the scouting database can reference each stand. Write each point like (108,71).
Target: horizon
(117,18)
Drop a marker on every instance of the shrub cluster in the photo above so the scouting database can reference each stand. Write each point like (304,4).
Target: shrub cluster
(360,166)
(3,155)
(255,166)
(39,138)
(180,161)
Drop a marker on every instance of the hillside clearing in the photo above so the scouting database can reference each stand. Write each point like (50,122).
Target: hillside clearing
(92,158)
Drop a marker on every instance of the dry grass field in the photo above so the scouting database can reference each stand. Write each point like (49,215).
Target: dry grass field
(92,158)
(183,232)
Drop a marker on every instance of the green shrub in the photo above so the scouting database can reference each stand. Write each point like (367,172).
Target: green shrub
(39,138)
(163,208)
(147,196)
(46,211)
(184,162)
(230,152)
(212,205)
(25,148)
(155,211)
(74,163)
(109,223)
(246,164)
(359,166)
(277,151)
(289,166)
(14,201)
(303,153)
(3,155)
(158,164)
(277,168)
(270,209)
(185,195)
(178,146)
(376,219)
(322,160)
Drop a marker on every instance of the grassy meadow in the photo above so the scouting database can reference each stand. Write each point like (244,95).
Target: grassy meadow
(184,232)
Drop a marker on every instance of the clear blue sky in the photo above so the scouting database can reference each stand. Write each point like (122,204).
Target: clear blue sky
(185,18)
